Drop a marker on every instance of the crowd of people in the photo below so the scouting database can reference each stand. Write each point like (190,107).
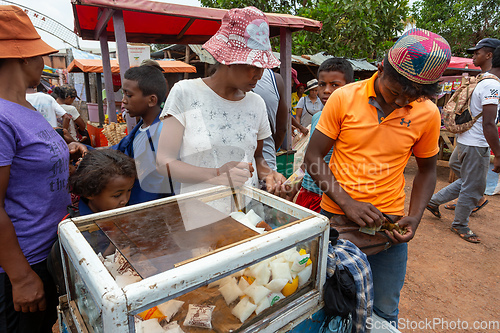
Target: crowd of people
(225,129)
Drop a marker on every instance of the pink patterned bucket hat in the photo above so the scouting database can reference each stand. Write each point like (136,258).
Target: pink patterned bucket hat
(243,38)
(420,55)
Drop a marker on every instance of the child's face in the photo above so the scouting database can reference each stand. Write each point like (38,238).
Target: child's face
(328,82)
(115,195)
(134,101)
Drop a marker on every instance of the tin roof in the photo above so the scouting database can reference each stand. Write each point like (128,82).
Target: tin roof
(309,60)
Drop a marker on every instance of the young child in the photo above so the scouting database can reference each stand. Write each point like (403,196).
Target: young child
(144,90)
(332,74)
(103,180)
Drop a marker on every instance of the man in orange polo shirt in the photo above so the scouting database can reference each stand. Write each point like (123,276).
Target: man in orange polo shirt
(375,125)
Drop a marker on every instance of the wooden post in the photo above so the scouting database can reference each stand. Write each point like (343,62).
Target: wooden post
(121,46)
(108,79)
(121,42)
(188,52)
(87,87)
(286,73)
(99,99)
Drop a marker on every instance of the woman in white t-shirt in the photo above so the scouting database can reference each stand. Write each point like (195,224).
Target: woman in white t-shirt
(213,128)
(65,95)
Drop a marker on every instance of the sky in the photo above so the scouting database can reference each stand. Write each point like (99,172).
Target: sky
(62,12)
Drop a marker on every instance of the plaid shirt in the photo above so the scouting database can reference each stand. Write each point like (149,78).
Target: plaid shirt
(346,255)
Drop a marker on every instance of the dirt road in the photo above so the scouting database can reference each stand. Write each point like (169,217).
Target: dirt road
(452,284)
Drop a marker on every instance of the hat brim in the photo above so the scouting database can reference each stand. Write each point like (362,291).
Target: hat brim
(472,49)
(314,86)
(25,48)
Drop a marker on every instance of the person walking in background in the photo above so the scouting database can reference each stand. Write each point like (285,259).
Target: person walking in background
(482,57)
(471,158)
(309,104)
(374,126)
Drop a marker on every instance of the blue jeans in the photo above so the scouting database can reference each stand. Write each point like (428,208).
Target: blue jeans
(389,271)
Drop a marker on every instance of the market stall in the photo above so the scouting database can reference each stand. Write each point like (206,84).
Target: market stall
(95,66)
(97,111)
(145,21)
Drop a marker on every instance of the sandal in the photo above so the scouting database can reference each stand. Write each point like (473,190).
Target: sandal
(466,234)
(453,206)
(434,210)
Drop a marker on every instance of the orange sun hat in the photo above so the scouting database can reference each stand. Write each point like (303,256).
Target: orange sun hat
(18,37)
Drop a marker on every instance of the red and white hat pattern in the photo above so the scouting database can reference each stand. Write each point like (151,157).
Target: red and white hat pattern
(243,38)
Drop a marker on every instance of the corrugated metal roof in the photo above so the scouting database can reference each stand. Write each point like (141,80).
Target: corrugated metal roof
(202,54)
(357,64)
(311,60)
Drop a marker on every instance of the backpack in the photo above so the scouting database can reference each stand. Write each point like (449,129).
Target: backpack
(457,116)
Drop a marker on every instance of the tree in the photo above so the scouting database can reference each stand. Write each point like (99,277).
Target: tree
(268,6)
(351,28)
(462,23)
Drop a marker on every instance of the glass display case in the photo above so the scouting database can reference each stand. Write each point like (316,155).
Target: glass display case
(215,260)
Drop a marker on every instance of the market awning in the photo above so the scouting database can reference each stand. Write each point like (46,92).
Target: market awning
(156,22)
(95,66)
(462,64)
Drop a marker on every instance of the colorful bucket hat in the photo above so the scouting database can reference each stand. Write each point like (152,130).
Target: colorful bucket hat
(18,37)
(420,55)
(243,38)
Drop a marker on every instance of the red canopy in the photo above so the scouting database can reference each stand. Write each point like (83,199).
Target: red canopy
(165,23)
(462,63)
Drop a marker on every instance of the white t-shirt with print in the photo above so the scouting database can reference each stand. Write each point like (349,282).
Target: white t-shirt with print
(485,93)
(216,130)
(47,106)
